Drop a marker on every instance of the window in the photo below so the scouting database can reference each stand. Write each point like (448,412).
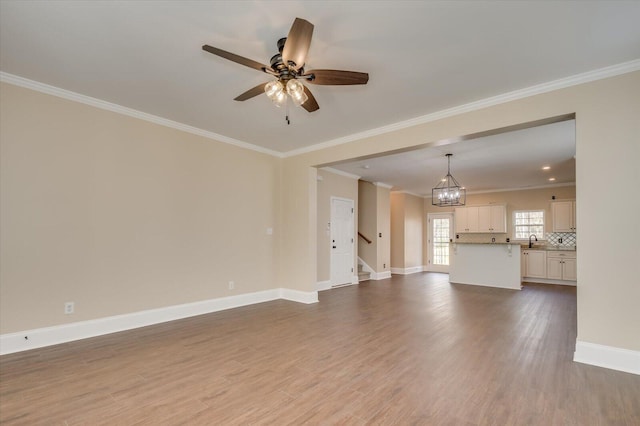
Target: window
(527,222)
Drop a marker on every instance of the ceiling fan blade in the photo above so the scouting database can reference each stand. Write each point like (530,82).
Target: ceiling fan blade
(311,104)
(336,77)
(298,42)
(255,91)
(237,58)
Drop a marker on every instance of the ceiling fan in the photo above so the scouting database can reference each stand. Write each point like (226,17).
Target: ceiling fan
(287,66)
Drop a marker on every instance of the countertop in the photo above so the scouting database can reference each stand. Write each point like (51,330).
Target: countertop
(523,246)
(548,248)
(488,244)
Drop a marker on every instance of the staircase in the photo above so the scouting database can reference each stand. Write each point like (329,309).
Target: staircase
(363,275)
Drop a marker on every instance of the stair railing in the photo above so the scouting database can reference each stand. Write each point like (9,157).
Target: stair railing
(364,238)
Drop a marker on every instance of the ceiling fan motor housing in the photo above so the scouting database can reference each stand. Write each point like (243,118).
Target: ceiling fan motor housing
(285,72)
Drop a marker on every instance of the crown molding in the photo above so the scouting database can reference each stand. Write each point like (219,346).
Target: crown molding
(383,185)
(98,103)
(340,172)
(586,77)
(574,80)
(402,191)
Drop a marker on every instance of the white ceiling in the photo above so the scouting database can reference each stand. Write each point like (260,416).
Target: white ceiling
(422,57)
(511,160)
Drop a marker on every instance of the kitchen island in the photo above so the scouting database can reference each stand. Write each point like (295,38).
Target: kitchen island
(486,264)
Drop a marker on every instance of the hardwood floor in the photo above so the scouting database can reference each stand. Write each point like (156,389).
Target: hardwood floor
(407,350)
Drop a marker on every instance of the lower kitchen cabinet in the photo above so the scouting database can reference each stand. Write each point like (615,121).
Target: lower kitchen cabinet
(561,266)
(534,263)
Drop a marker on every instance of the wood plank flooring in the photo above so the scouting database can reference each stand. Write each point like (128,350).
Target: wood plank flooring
(407,350)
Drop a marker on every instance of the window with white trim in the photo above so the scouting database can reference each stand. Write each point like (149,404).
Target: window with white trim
(527,222)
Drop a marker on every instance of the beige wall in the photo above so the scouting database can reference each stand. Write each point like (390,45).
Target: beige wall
(607,147)
(407,233)
(368,223)
(397,229)
(120,215)
(413,231)
(383,203)
(333,185)
(374,219)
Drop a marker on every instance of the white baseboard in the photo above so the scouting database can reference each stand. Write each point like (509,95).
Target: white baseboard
(355,279)
(407,271)
(608,357)
(307,297)
(323,285)
(380,275)
(548,281)
(47,336)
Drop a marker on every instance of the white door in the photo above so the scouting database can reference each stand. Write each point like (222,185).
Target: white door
(440,231)
(342,241)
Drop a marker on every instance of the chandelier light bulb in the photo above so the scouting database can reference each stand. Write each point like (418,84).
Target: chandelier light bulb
(279,99)
(295,89)
(274,89)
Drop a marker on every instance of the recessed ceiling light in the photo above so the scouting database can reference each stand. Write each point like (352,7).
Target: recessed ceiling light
(366,166)
(546,168)
(552,179)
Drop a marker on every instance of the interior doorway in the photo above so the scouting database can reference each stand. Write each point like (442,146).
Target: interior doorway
(342,241)
(439,234)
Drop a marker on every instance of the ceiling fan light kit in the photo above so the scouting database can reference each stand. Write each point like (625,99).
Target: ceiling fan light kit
(448,192)
(288,67)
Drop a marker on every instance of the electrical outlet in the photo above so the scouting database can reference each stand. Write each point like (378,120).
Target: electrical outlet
(232,285)
(69,308)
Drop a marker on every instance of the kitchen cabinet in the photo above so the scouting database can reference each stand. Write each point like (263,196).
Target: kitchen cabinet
(534,263)
(561,265)
(563,214)
(466,219)
(487,219)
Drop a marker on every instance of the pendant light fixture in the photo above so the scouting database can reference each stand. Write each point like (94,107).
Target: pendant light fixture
(448,191)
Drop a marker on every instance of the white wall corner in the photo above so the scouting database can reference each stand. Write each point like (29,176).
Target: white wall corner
(323,285)
(608,357)
(355,279)
(306,297)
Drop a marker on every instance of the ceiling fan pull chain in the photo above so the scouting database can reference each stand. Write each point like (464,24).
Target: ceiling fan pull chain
(286,105)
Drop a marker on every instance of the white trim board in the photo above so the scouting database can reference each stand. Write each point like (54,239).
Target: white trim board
(381,275)
(48,336)
(407,271)
(607,356)
(323,285)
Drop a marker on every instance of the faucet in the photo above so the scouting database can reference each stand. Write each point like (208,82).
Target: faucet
(530,243)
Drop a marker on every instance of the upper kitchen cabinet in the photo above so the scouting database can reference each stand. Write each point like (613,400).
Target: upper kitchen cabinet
(563,215)
(486,219)
(466,219)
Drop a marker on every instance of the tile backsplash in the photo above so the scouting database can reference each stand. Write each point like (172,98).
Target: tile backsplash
(562,239)
(555,239)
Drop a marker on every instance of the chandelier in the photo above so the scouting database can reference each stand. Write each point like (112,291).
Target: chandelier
(448,191)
